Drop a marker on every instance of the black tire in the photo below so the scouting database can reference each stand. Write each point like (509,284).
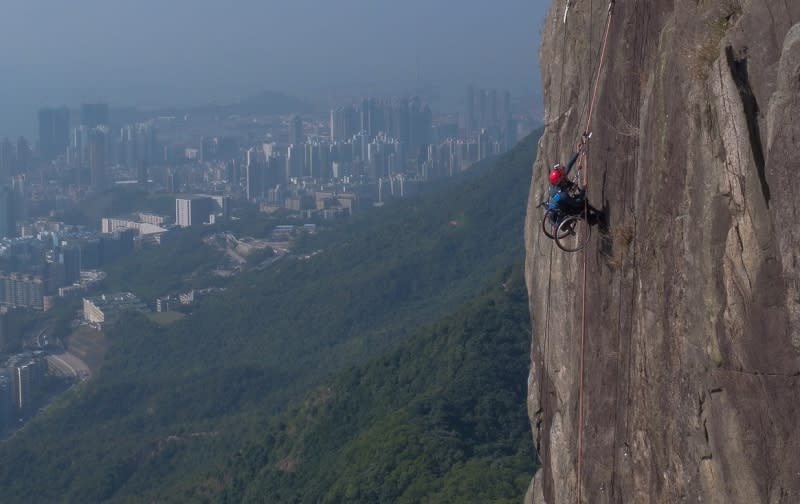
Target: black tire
(549,224)
(573,233)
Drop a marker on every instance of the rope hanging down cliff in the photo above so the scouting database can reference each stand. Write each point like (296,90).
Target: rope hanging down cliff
(568,216)
(585,164)
(544,348)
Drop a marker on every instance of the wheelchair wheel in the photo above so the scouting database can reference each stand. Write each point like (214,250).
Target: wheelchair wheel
(550,224)
(572,234)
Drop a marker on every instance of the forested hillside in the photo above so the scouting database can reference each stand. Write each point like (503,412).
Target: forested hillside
(438,420)
(166,417)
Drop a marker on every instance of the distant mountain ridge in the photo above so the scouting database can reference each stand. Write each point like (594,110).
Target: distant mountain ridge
(262,104)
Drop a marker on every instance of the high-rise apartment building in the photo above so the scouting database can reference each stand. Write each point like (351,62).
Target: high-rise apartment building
(343,124)
(53,132)
(7,407)
(254,174)
(138,149)
(19,187)
(108,308)
(364,115)
(76,151)
(296,134)
(8,158)
(401,121)
(28,375)
(482,107)
(486,109)
(193,211)
(295,161)
(469,122)
(21,290)
(420,126)
(5,335)
(94,115)
(505,111)
(24,155)
(493,118)
(97,149)
(314,160)
(8,217)
(275,173)
(70,257)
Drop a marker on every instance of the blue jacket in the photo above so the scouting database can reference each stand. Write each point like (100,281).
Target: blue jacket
(559,194)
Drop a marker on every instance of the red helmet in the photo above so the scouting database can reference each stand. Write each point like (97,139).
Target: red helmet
(557,174)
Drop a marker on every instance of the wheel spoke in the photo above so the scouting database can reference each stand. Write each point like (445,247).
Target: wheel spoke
(572,234)
(550,224)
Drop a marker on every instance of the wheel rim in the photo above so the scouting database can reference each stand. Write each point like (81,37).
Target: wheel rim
(572,234)
(567,228)
(548,225)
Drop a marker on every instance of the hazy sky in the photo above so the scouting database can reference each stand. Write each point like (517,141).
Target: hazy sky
(171,51)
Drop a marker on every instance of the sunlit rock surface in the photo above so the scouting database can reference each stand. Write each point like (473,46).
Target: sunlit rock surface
(692,377)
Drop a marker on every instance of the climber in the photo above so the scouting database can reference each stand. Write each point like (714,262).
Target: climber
(565,195)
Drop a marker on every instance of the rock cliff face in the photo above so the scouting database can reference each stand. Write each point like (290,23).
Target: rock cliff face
(692,375)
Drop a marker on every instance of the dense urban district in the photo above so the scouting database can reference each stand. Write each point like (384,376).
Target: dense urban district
(228,188)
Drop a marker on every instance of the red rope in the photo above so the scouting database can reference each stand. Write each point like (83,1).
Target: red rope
(600,66)
(586,220)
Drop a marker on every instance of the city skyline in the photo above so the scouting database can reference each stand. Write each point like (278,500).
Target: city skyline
(93,138)
(220,55)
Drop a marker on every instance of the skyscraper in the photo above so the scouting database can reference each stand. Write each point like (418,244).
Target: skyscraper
(343,124)
(5,338)
(506,115)
(53,132)
(70,257)
(275,171)
(295,161)
(379,118)
(469,123)
(421,124)
(8,221)
(139,148)
(401,121)
(8,158)
(315,163)
(97,157)
(24,155)
(28,376)
(75,152)
(296,134)
(193,211)
(130,154)
(254,174)
(20,199)
(364,115)
(172,180)
(208,149)
(483,145)
(94,115)
(482,107)
(494,110)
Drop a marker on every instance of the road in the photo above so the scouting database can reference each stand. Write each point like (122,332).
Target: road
(41,335)
(68,365)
